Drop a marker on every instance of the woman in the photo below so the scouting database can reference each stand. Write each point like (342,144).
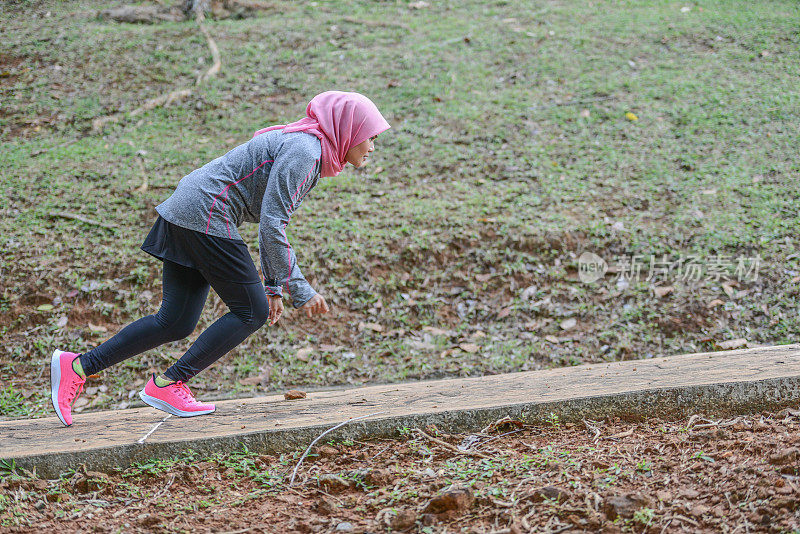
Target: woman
(195,235)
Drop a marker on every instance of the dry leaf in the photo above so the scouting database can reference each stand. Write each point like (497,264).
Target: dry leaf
(505,312)
(732,344)
(375,327)
(97,328)
(714,303)
(250,381)
(472,348)
(304,353)
(294,394)
(728,288)
(631,116)
(437,331)
(566,324)
(483,277)
(663,291)
(552,339)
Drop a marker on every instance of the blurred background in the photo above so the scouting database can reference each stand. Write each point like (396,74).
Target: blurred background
(655,135)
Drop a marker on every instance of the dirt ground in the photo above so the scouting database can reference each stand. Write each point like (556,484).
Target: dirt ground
(692,475)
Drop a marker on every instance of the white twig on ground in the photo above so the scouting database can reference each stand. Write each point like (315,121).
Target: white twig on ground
(217,65)
(141,440)
(294,473)
(76,217)
(450,447)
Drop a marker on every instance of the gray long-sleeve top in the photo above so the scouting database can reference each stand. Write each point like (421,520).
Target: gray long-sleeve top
(263,180)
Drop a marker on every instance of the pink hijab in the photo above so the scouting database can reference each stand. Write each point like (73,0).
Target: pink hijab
(340,120)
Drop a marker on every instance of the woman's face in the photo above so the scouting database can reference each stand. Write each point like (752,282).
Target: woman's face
(357,155)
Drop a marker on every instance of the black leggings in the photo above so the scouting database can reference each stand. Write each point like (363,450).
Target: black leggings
(185,291)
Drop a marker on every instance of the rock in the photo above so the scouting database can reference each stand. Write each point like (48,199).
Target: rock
(294,394)
(344,526)
(38,484)
(455,498)
(333,483)
(325,506)
(699,510)
(397,519)
(624,505)
(428,519)
(148,520)
(785,456)
(378,477)
(553,493)
(91,481)
(326,451)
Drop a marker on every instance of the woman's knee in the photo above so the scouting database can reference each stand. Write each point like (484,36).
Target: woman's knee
(260,312)
(176,326)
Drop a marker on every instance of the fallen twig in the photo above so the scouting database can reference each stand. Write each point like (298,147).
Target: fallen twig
(294,473)
(619,435)
(76,217)
(572,102)
(498,437)
(685,519)
(140,160)
(376,23)
(450,447)
(217,65)
(178,94)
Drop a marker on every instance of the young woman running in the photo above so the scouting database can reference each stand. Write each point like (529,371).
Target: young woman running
(195,235)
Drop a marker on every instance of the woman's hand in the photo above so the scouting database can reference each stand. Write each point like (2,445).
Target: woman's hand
(315,306)
(275,309)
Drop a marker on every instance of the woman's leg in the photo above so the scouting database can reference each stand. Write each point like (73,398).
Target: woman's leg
(185,291)
(249,312)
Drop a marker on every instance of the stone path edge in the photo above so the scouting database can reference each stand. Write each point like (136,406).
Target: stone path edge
(721,399)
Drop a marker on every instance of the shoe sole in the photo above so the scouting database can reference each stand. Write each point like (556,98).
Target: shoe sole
(159,404)
(55,380)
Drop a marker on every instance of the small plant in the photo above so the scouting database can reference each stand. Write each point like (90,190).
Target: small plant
(700,455)
(644,516)
(553,420)
(8,468)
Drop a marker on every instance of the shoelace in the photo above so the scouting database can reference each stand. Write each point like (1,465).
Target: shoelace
(74,390)
(182,390)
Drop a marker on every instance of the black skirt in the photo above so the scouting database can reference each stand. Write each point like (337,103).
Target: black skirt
(216,257)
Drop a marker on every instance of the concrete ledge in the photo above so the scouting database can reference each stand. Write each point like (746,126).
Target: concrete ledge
(720,383)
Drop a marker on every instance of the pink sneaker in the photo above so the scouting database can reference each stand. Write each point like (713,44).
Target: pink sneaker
(65,384)
(174,398)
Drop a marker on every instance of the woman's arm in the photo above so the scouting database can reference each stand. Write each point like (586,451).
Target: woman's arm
(290,179)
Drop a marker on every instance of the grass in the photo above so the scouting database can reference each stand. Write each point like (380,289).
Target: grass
(510,154)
